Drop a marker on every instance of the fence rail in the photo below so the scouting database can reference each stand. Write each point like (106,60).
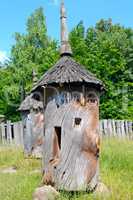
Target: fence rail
(12,133)
(116,128)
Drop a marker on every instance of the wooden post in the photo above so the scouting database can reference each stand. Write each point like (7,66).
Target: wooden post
(82,97)
(101,128)
(122,129)
(18,133)
(9,133)
(113,128)
(3,133)
(103,132)
(116,126)
(130,129)
(109,128)
(44,96)
(21,133)
(126,128)
(105,128)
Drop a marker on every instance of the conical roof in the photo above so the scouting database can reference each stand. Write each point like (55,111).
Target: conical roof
(67,70)
(29,102)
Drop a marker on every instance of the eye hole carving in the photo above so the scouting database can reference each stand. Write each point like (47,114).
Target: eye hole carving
(92,99)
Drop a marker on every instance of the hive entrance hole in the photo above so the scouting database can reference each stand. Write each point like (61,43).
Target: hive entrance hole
(77,121)
(58,133)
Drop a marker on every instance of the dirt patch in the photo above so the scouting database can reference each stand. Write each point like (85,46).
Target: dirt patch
(9,170)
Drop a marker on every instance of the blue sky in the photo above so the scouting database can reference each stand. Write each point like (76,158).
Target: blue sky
(14,13)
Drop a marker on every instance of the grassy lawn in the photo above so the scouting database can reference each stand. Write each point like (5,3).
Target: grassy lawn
(116,173)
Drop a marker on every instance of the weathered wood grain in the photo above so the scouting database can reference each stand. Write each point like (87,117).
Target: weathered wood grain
(3,133)
(9,133)
(17,134)
(76,166)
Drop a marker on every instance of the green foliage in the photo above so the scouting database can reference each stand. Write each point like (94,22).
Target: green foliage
(33,50)
(106,50)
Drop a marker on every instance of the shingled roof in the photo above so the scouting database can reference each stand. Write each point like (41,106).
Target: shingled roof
(29,102)
(67,70)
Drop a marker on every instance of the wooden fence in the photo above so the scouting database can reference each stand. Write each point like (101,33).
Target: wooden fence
(116,128)
(12,133)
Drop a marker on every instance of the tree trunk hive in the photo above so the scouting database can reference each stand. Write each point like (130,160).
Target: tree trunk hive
(33,126)
(71,148)
(71,136)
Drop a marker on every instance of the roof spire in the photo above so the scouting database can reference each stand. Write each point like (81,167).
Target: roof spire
(65,46)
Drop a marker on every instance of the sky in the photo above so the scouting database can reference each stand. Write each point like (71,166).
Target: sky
(14,14)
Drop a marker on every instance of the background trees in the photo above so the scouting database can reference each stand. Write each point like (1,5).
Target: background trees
(106,50)
(33,50)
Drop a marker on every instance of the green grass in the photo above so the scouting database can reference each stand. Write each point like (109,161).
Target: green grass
(116,173)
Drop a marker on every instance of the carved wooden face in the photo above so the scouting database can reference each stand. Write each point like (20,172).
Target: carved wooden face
(71,146)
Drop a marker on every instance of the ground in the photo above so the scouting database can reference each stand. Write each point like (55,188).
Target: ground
(116,173)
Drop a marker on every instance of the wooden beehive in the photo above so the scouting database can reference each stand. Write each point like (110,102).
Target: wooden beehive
(71,144)
(33,125)
(71,148)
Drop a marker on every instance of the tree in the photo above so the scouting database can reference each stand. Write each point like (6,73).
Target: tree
(106,50)
(77,40)
(33,50)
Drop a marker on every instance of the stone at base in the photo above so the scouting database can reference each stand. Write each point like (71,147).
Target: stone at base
(45,193)
(10,170)
(102,190)
(37,152)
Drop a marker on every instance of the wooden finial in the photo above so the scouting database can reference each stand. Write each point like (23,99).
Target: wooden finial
(65,46)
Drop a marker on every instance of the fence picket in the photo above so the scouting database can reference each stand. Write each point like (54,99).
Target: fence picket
(126,128)
(12,133)
(9,133)
(21,133)
(3,134)
(113,128)
(122,129)
(130,126)
(109,127)
(16,134)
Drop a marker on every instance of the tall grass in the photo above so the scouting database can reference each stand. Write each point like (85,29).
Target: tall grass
(116,165)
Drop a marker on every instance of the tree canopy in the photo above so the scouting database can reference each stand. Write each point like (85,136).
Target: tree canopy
(106,50)
(33,50)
